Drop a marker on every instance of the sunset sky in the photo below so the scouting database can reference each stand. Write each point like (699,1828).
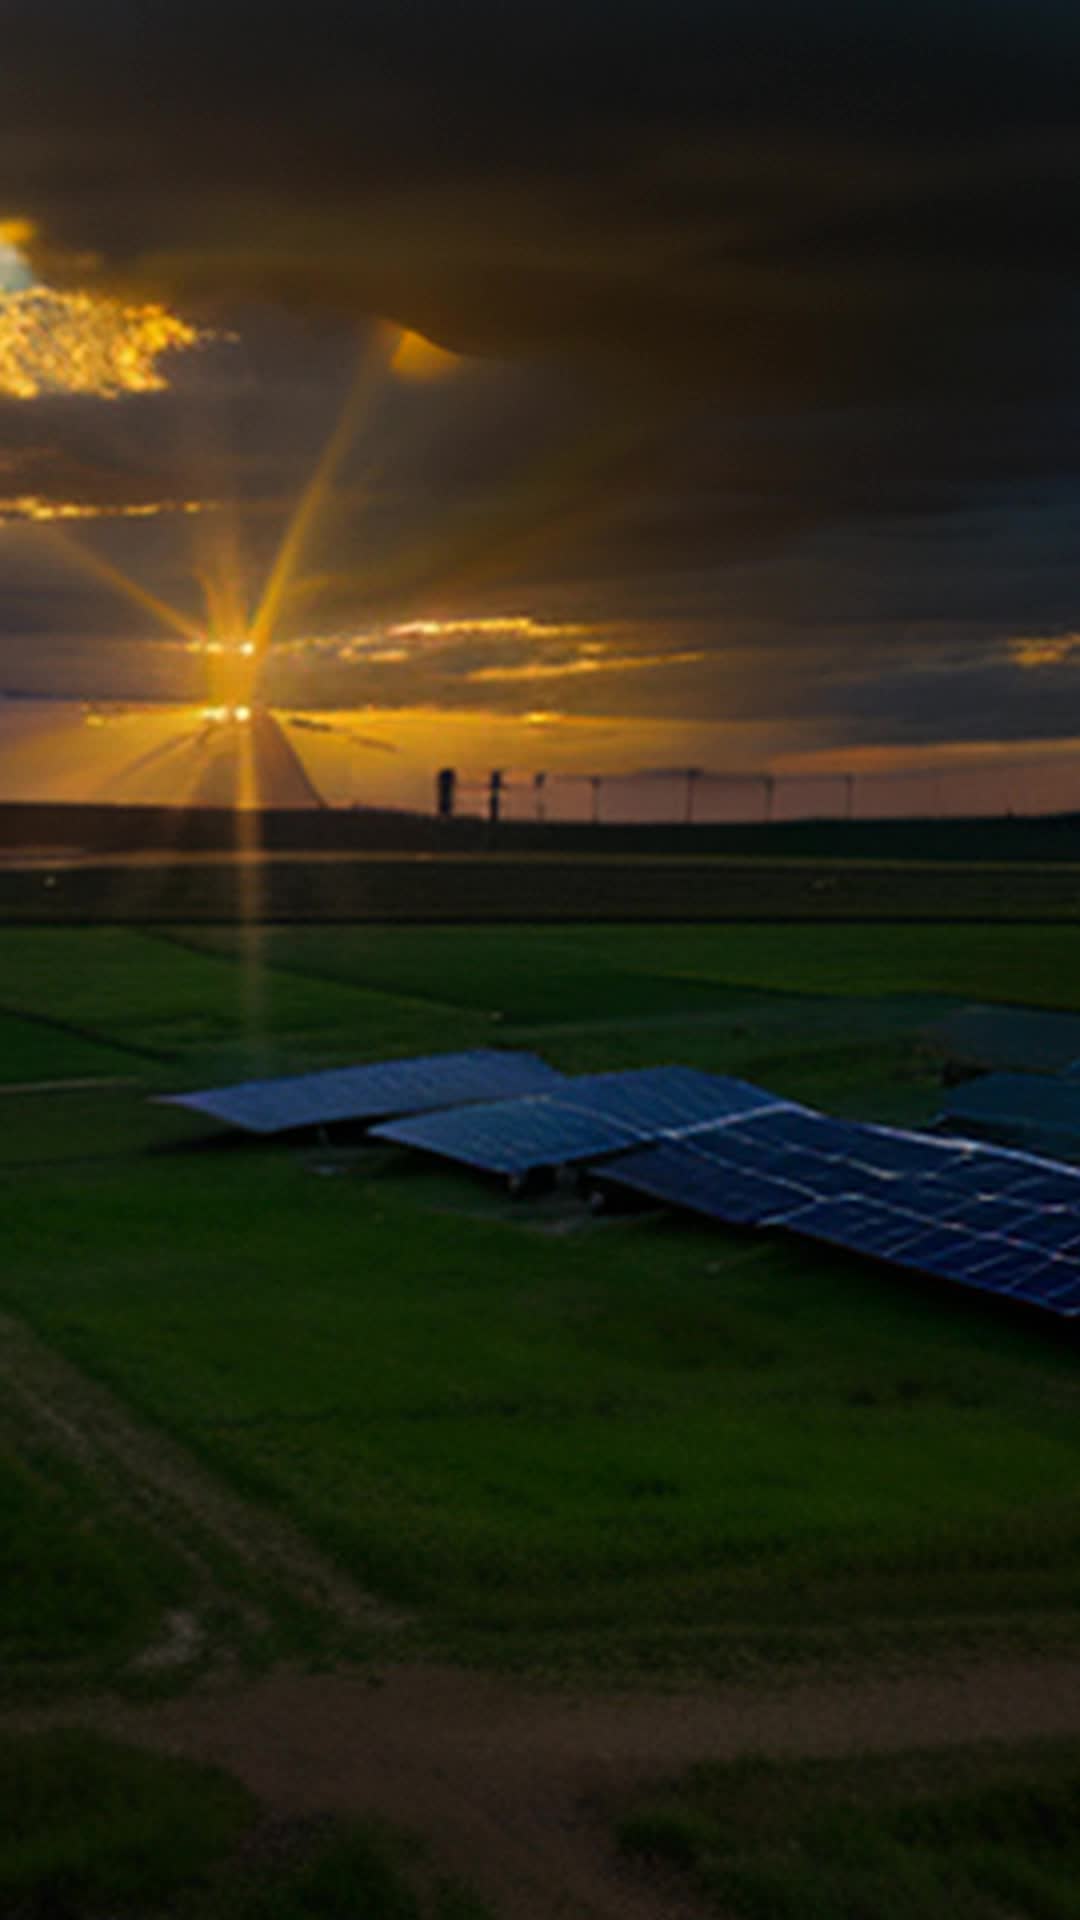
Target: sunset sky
(683,384)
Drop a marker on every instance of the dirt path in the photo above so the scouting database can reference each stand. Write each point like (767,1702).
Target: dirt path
(234,1546)
(514,1787)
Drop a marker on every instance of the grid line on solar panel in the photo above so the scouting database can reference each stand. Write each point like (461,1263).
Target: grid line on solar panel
(588,1117)
(372,1091)
(915,1201)
(676,1171)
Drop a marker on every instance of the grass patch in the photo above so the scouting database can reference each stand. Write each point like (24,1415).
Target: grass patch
(82,1589)
(94,1829)
(543,974)
(522,975)
(32,1051)
(971,1834)
(166,1002)
(530,1437)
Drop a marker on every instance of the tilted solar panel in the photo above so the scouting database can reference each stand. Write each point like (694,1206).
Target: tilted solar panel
(1010,1038)
(1025,1109)
(994,1262)
(984,1217)
(371,1092)
(587,1117)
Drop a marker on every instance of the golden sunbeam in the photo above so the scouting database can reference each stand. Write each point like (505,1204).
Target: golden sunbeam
(562,494)
(113,576)
(287,559)
(247,839)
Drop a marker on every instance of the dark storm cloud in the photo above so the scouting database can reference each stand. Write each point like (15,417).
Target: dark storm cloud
(778,198)
(819,263)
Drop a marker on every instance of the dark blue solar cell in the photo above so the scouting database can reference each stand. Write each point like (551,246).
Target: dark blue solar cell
(1046,1282)
(952,1258)
(799,1127)
(971,1178)
(677,1174)
(993,1266)
(1049,1189)
(934,1251)
(811,1170)
(1047,1231)
(1054,1285)
(880,1232)
(658,1100)
(372,1092)
(898,1154)
(985,1215)
(844,1222)
(724,1145)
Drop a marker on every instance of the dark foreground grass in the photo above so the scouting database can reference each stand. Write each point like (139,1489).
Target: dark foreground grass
(93,1829)
(641,1437)
(34,1050)
(82,1591)
(977,1833)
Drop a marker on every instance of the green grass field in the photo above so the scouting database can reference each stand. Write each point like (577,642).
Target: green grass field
(82,1590)
(977,1833)
(94,1830)
(622,1445)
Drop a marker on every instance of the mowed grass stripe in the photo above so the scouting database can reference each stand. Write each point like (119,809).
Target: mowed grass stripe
(534,974)
(33,1049)
(522,975)
(1025,965)
(133,990)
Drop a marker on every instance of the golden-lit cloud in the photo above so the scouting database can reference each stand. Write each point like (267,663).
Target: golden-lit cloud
(583,662)
(1045,650)
(415,358)
(33,507)
(519,626)
(53,343)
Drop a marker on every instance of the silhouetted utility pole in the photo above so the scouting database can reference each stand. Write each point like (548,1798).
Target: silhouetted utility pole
(693,775)
(768,782)
(539,786)
(445,792)
(596,781)
(849,796)
(495,787)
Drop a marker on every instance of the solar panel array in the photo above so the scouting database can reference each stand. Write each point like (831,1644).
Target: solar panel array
(1022,1109)
(587,1117)
(982,1216)
(373,1092)
(1004,1222)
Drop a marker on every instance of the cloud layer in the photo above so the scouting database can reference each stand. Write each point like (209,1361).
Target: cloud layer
(775,309)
